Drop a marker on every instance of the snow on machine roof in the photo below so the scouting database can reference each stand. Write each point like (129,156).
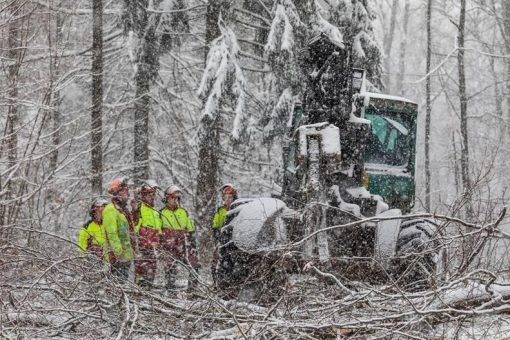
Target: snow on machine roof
(386,96)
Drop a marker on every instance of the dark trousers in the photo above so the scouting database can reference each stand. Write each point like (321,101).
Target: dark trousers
(121,270)
(146,266)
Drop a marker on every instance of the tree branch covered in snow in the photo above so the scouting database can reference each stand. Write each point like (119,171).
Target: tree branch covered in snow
(224,79)
(48,293)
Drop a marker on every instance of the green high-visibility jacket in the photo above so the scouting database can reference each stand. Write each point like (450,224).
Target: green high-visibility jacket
(177,219)
(116,227)
(219,218)
(149,218)
(91,233)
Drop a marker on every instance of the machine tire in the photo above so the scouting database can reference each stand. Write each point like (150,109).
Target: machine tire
(244,275)
(417,255)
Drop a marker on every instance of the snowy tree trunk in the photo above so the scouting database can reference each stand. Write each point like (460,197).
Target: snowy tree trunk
(506,19)
(9,144)
(403,47)
(388,43)
(498,99)
(428,106)
(209,149)
(207,179)
(13,58)
(212,30)
(313,195)
(55,21)
(260,9)
(147,66)
(464,160)
(97,98)
(55,94)
(141,126)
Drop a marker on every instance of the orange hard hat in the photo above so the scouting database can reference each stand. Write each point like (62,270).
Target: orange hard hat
(117,184)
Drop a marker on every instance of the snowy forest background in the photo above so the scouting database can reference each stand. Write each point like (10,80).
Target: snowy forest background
(168,111)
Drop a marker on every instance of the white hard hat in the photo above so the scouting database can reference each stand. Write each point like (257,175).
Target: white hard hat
(150,185)
(99,202)
(226,185)
(172,189)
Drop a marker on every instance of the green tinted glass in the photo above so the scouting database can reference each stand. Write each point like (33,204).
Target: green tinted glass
(390,140)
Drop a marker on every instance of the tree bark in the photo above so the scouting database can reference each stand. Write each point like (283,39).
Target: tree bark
(55,94)
(215,8)
(403,47)
(14,55)
(146,71)
(141,126)
(428,106)
(388,43)
(209,149)
(97,98)
(506,19)
(464,156)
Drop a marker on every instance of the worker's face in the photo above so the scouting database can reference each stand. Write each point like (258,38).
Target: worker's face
(227,200)
(172,201)
(124,194)
(148,197)
(98,211)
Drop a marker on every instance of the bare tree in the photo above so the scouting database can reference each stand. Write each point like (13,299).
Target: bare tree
(54,41)
(428,106)
(388,44)
(464,159)
(209,143)
(506,35)
(142,21)
(97,98)
(403,46)
(14,55)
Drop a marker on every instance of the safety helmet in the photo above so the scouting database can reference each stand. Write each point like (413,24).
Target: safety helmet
(97,203)
(172,190)
(117,184)
(228,189)
(149,186)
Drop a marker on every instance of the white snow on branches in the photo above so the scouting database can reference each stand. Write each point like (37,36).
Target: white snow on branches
(285,104)
(223,77)
(321,25)
(362,36)
(281,35)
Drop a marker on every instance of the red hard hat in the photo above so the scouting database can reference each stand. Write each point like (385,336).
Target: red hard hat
(117,184)
(228,189)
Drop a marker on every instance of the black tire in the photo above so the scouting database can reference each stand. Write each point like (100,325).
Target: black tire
(417,255)
(251,276)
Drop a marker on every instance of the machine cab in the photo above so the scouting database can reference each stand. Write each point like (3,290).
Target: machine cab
(391,148)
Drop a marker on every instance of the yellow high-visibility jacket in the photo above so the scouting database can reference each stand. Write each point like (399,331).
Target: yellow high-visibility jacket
(91,234)
(117,231)
(149,218)
(177,219)
(219,218)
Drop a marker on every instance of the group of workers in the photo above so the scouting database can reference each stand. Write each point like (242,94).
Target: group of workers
(124,230)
